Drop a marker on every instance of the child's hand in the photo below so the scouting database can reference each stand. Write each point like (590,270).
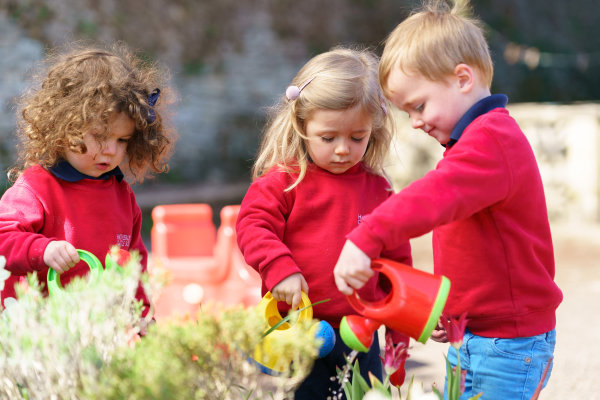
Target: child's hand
(352,270)
(439,334)
(290,290)
(60,256)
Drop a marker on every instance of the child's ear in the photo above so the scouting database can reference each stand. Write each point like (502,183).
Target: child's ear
(465,77)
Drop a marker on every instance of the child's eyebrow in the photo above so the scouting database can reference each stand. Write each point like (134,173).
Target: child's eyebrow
(408,104)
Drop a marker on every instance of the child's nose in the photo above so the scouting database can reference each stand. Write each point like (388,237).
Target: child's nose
(109,147)
(342,147)
(417,123)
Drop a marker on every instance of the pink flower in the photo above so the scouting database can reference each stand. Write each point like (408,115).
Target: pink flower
(119,255)
(455,329)
(463,378)
(394,359)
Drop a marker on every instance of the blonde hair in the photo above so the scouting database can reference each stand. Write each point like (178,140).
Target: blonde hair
(434,40)
(342,78)
(86,85)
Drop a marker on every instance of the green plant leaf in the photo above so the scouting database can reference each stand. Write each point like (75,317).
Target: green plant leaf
(453,382)
(376,383)
(347,391)
(357,377)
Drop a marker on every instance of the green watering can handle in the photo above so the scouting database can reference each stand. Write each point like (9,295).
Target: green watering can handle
(54,284)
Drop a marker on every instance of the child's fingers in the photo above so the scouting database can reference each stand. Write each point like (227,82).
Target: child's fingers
(278,296)
(57,267)
(296,300)
(304,285)
(289,298)
(72,255)
(362,275)
(343,286)
(60,256)
(67,257)
(439,335)
(356,282)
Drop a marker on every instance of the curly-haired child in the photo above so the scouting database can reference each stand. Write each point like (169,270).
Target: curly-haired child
(89,113)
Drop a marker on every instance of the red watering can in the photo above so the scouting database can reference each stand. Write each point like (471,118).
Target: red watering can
(412,307)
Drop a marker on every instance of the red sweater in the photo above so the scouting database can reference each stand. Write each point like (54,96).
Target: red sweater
(90,214)
(491,236)
(303,230)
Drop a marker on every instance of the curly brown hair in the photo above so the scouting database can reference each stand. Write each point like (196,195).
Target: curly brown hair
(86,85)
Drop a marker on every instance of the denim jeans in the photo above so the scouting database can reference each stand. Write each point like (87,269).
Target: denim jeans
(503,369)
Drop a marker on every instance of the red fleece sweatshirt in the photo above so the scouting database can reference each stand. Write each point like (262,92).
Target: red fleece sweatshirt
(90,214)
(491,236)
(303,230)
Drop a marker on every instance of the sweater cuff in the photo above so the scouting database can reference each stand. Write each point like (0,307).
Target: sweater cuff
(35,255)
(363,240)
(277,270)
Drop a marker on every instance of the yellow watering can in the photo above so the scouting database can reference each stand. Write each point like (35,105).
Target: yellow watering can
(273,363)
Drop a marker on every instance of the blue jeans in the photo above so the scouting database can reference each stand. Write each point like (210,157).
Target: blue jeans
(503,368)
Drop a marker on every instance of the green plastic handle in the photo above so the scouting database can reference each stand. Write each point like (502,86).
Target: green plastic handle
(54,284)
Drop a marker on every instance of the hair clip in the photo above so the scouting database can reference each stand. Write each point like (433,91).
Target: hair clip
(292,92)
(382,103)
(152,98)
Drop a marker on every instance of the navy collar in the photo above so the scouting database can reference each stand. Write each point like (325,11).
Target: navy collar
(67,172)
(483,106)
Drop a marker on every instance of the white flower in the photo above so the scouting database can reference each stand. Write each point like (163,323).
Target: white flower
(417,392)
(375,394)
(4,274)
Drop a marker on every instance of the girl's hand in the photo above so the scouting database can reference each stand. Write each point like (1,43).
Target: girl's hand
(439,334)
(352,270)
(60,256)
(290,290)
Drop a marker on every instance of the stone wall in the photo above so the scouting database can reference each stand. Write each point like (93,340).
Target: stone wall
(221,112)
(18,53)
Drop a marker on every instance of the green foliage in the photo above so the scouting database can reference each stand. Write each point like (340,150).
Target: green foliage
(52,347)
(188,359)
(358,388)
(83,344)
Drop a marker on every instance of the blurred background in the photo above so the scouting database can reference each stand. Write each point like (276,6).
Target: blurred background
(230,60)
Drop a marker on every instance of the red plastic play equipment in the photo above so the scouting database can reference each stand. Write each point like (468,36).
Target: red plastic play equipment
(203,264)
(413,306)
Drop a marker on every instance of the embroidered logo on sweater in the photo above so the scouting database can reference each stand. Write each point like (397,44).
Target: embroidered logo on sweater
(123,240)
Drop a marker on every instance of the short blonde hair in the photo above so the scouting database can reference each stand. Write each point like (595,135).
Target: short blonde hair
(84,85)
(434,40)
(342,78)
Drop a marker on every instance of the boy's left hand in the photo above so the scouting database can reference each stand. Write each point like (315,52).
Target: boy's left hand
(352,270)
(439,334)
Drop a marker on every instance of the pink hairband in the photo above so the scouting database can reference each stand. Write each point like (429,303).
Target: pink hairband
(293,91)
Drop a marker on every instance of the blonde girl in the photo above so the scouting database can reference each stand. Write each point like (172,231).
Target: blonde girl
(318,174)
(345,81)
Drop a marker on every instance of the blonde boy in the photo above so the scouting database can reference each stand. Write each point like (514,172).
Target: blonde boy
(484,202)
